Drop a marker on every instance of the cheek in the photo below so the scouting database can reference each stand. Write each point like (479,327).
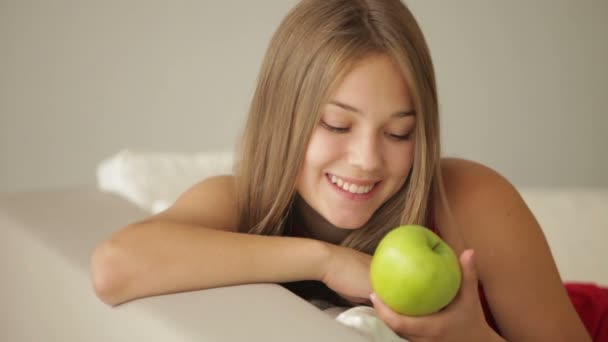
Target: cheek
(323,149)
(400,160)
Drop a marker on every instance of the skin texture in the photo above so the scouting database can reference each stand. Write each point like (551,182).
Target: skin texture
(513,261)
(360,137)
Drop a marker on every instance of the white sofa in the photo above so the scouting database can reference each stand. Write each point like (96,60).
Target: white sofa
(45,246)
(47,238)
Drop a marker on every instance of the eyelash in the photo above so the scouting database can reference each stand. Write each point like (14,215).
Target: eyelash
(345,130)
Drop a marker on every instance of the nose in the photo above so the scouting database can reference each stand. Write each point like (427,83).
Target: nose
(365,153)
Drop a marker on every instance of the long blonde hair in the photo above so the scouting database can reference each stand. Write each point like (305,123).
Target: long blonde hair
(315,46)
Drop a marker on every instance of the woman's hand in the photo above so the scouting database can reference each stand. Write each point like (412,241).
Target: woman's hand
(462,320)
(347,273)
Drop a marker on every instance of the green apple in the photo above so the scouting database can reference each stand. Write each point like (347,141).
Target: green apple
(414,272)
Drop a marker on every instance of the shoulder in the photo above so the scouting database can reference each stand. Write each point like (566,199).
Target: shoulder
(513,259)
(466,179)
(484,204)
(478,197)
(211,203)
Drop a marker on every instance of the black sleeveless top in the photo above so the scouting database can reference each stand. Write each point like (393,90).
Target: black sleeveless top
(315,292)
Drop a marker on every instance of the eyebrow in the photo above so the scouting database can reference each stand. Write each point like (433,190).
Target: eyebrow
(359,111)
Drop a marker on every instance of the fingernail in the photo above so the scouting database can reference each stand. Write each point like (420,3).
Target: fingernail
(372,296)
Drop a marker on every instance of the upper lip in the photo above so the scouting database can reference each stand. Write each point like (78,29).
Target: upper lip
(362,182)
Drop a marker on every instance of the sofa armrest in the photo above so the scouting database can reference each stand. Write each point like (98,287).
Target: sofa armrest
(45,247)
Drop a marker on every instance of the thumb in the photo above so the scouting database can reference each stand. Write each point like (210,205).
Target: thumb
(469,272)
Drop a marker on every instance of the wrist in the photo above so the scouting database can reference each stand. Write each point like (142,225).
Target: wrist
(323,252)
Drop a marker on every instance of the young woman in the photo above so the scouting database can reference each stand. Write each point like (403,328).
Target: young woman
(341,145)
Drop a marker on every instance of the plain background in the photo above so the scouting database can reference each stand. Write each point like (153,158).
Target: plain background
(522,84)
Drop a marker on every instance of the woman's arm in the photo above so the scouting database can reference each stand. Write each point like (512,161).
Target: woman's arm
(515,266)
(177,251)
(165,257)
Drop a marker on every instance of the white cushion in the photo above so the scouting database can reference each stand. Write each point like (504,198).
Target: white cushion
(153,180)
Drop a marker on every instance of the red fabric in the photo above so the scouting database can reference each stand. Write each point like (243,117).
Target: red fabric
(591,303)
(589,300)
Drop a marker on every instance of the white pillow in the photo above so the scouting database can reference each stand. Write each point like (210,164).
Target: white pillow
(153,181)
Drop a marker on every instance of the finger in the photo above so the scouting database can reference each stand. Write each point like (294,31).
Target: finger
(356,300)
(469,273)
(405,326)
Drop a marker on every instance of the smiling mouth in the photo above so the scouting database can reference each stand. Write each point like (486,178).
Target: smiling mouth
(355,189)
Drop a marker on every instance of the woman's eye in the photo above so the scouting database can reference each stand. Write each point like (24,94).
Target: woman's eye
(333,128)
(399,137)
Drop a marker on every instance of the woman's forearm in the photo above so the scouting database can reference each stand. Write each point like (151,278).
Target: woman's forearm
(155,258)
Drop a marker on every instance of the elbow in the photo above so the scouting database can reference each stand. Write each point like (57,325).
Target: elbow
(108,274)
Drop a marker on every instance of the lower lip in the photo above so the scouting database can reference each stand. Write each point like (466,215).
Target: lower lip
(349,195)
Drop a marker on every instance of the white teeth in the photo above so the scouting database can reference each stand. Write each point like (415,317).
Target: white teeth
(352,188)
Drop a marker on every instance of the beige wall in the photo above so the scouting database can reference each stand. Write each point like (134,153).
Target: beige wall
(523,84)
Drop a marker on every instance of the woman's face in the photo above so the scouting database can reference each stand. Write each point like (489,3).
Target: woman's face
(361,151)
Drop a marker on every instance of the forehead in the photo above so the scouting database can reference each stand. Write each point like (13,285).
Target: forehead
(375,83)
